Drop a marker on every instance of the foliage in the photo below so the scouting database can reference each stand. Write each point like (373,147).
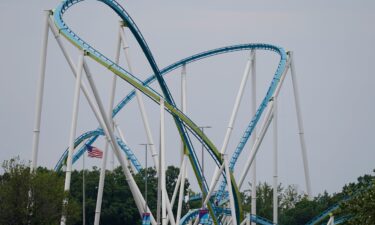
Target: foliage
(36,198)
(360,203)
(294,207)
(356,201)
(32,198)
(118,206)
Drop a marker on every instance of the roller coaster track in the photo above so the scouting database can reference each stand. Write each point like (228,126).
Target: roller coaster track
(183,123)
(317,219)
(192,214)
(323,215)
(172,67)
(93,135)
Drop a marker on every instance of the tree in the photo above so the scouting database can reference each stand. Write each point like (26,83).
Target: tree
(290,197)
(294,207)
(360,203)
(14,186)
(32,198)
(118,206)
(302,212)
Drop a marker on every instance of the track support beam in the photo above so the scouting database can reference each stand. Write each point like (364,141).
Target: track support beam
(139,200)
(275,163)
(40,91)
(263,129)
(99,198)
(254,134)
(300,126)
(73,128)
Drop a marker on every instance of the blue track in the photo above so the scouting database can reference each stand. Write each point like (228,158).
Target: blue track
(183,123)
(176,65)
(96,133)
(192,214)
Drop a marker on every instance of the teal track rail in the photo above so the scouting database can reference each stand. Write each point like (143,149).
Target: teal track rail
(96,133)
(319,218)
(125,75)
(183,123)
(341,220)
(323,215)
(166,71)
(192,214)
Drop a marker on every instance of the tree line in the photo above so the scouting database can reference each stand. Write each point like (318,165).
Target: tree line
(36,198)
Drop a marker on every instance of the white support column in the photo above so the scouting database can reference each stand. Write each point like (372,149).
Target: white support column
(103,123)
(249,65)
(83,191)
(248,219)
(140,102)
(213,185)
(227,220)
(223,220)
(230,191)
(331,220)
(103,168)
(182,187)
(72,135)
(139,200)
(211,189)
(165,204)
(183,156)
(253,136)
(113,88)
(122,137)
(300,127)
(243,222)
(84,88)
(159,197)
(112,160)
(40,91)
(162,161)
(236,106)
(266,122)
(99,197)
(275,164)
(258,141)
(176,188)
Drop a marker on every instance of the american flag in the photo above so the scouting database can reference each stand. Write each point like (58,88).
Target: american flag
(94,152)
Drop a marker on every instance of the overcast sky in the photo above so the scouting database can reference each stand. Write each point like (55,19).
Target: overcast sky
(333,42)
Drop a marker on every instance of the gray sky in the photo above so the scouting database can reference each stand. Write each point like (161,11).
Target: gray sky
(333,46)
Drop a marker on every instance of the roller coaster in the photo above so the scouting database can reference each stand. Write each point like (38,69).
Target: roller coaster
(219,205)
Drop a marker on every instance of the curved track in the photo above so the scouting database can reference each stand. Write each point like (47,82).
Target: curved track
(183,123)
(192,214)
(92,136)
(176,65)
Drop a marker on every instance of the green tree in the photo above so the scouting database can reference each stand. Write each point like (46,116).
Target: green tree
(290,197)
(360,203)
(118,206)
(303,211)
(32,198)
(14,186)
(264,200)
(294,207)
